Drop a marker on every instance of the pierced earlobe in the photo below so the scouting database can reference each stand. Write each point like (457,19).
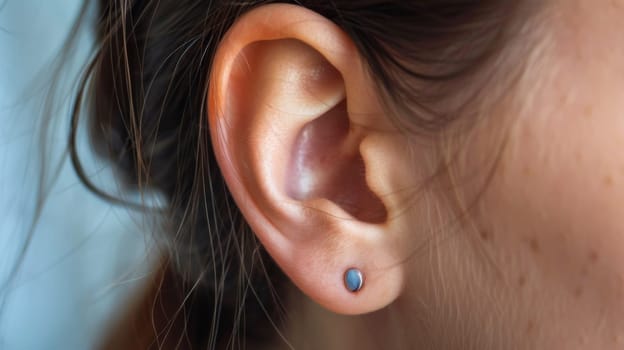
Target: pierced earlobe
(354,280)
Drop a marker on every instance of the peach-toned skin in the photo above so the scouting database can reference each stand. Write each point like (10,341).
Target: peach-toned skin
(551,224)
(549,267)
(540,265)
(554,214)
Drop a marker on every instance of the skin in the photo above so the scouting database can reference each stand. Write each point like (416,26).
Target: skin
(554,209)
(540,263)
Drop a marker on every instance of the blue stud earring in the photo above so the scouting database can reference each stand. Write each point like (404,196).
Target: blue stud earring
(353,280)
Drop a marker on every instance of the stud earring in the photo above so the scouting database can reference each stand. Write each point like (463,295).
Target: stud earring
(353,280)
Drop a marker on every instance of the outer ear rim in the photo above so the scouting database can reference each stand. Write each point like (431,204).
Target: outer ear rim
(329,40)
(332,43)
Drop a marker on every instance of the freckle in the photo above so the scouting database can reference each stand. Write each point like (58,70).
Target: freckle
(608,181)
(578,156)
(583,340)
(530,326)
(593,256)
(485,235)
(578,292)
(521,281)
(534,245)
(527,171)
(588,112)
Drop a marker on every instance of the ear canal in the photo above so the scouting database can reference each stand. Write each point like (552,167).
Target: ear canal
(326,163)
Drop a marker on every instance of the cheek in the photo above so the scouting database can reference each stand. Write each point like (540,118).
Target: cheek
(552,216)
(555,207)
(558,203)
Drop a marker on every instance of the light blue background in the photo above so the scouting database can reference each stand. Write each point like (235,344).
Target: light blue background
(86,256)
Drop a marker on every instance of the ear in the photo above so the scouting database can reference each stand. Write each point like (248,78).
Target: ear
(303,144)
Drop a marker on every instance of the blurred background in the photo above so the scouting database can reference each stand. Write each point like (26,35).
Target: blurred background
(85,257)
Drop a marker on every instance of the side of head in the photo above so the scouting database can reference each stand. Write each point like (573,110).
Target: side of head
(419,142)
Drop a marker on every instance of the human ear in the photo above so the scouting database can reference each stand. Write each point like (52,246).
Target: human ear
(302,142)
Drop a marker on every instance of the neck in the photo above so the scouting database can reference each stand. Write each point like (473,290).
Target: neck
(312,327)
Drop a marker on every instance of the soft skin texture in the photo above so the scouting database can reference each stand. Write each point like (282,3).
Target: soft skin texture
(553,214)
(539,264)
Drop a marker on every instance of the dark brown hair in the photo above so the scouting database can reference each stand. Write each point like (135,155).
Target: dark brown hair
(148,87)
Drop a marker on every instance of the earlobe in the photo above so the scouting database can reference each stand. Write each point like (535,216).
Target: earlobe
(289,144)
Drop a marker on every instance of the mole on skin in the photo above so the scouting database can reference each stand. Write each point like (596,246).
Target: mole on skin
(534,245)
(608,181)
